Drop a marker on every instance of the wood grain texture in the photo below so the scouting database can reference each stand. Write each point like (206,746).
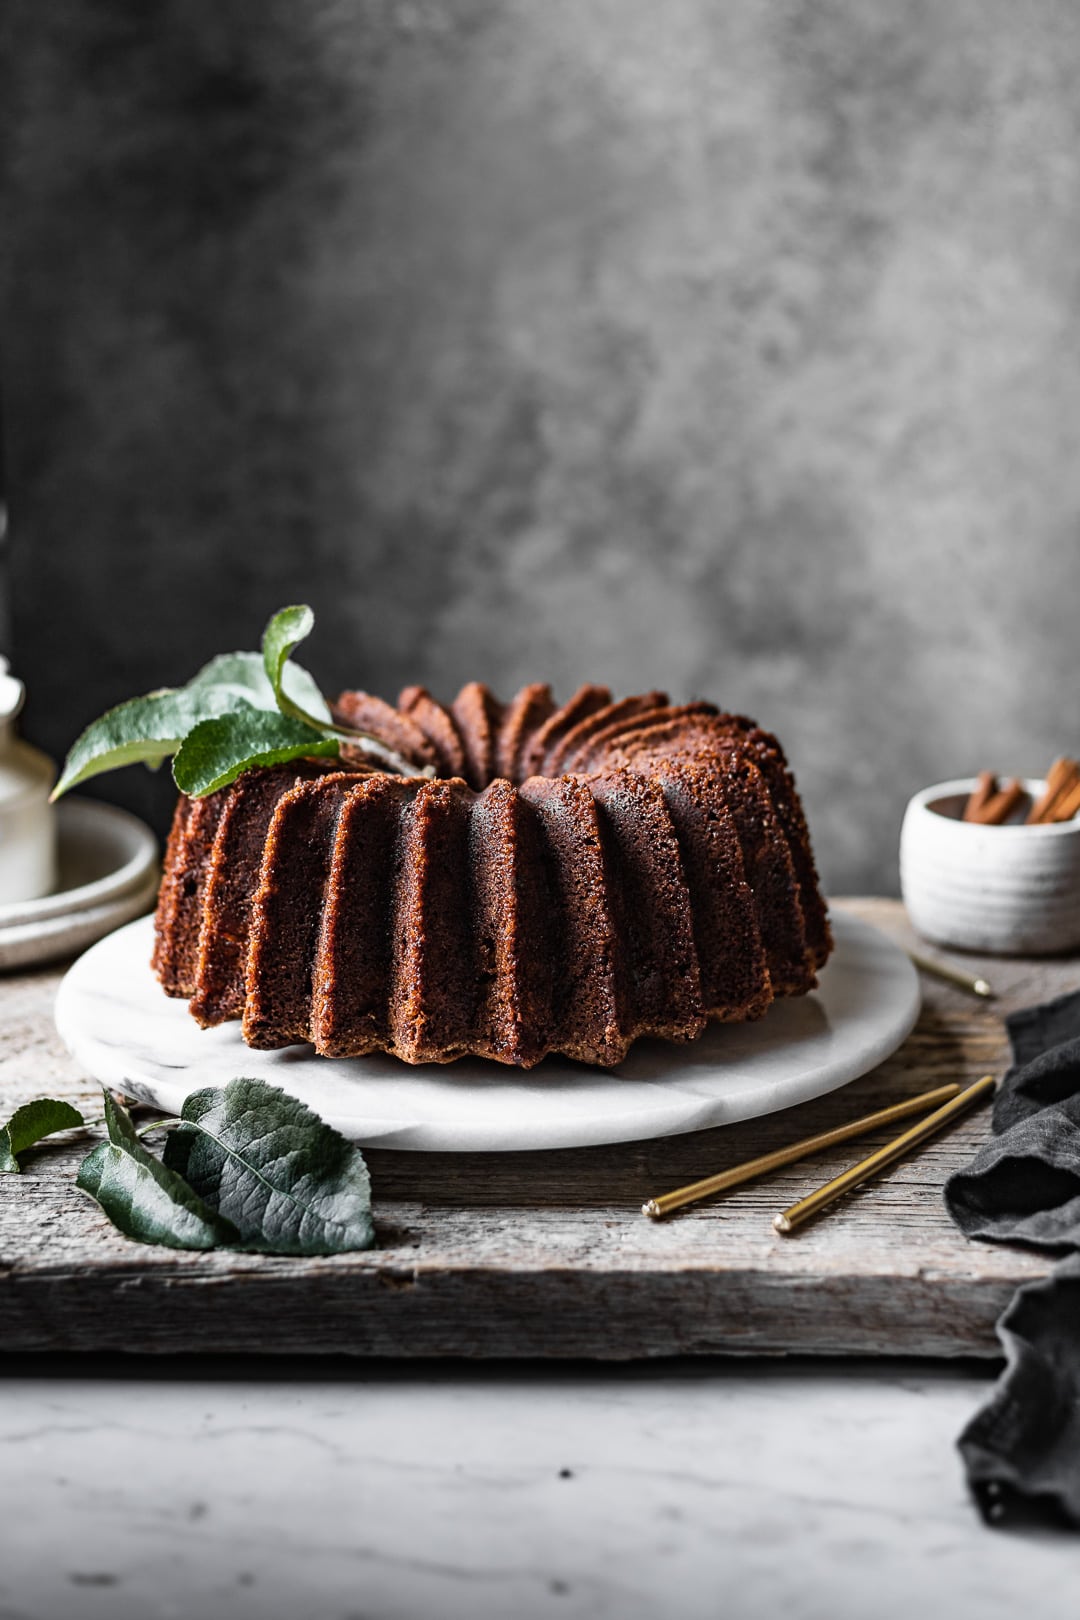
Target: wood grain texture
(546,1253)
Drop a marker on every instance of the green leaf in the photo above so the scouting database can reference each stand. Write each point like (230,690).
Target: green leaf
(29,1124)
(285,631)
(145,730)
(289,1182)
(145,1199)
(216,751)
(247,1167)
(246,672)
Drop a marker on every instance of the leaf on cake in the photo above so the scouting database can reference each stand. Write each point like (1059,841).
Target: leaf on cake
(285,631)
(145,730)
(216,751)
(246,673)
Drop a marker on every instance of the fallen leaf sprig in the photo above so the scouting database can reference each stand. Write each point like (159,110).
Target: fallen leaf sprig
(30,1124)
(240,711)
(245,1166)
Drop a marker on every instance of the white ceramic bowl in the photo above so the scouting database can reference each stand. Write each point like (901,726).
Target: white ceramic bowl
(1011,890)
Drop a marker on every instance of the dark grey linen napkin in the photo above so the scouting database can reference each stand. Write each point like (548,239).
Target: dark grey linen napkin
(1022,1450)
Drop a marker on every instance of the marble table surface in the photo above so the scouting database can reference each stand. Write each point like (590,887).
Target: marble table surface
(331,1491)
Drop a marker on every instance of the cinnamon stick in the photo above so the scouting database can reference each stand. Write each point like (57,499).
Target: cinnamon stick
(1062,781)
(1067,806)
(1000,805)
(980,797)
(989,803)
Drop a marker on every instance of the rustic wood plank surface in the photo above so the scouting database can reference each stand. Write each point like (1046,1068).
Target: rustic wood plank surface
(547,1253)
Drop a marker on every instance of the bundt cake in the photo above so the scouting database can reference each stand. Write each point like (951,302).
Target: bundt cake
(567,880)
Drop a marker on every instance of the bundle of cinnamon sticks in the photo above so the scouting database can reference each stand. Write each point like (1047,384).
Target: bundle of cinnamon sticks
(993,802)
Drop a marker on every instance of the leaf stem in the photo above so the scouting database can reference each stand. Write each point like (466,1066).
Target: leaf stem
(156,1125)
(371,744)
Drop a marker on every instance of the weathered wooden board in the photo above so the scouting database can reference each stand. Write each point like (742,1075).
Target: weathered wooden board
(547,1253)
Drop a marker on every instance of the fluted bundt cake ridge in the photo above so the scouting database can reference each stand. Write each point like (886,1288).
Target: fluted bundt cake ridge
(572,878)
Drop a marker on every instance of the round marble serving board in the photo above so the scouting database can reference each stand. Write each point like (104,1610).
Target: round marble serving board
(118,1024)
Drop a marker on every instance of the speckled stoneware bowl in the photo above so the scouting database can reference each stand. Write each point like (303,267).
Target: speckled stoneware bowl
(1011,890)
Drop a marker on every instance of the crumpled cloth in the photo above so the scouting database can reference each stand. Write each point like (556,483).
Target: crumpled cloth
(1022,1450)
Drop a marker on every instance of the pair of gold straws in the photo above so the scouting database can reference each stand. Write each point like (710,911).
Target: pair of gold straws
(946,1102)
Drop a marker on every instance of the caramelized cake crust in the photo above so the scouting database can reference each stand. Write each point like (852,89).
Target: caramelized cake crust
(571,879)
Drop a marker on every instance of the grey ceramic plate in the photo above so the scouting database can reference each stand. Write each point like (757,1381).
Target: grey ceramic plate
(108,866)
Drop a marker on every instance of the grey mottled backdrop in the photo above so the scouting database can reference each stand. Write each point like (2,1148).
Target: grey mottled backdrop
(727,345)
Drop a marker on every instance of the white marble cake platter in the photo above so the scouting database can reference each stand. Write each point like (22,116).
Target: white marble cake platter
(118,1024)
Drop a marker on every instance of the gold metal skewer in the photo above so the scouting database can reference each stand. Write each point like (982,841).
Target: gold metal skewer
(977,987)
(816,1201)
(657,1207)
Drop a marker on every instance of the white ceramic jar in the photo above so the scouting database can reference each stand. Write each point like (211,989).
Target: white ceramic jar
(1010,890)
(27,822)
